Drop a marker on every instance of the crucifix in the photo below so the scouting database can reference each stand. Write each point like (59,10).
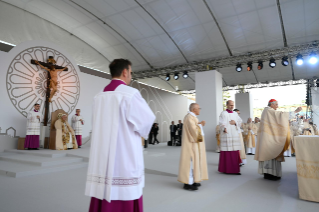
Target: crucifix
(52,82)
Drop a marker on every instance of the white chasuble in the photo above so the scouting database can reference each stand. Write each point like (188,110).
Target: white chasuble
(116,166)
(33,123)
(77,124)
(230,141)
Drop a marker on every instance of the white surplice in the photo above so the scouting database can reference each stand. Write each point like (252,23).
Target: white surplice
(229,141)
(77,124)
(33,123)
(116,165)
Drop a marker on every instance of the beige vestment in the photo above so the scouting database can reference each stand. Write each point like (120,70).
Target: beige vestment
(218,135)
(249,138)
(59,135)
(307,126)
(242,152)
(192,152)
(273,135)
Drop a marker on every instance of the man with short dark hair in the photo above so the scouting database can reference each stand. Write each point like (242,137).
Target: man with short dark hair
(180,130)
(121,117)
(173,129)
(77,123)
(32,139)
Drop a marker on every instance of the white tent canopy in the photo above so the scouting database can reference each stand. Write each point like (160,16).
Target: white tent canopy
(161,33)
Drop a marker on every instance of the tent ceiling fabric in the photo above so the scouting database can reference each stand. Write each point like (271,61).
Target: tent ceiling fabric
(172,32)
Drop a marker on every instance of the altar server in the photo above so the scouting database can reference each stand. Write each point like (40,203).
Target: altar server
(273,140)
(32,139)
(230,143)
(121,116)
(77,123)
(193,164)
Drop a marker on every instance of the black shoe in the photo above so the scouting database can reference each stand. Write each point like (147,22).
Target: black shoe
(29,148)
(79,146)
(190,187)
(35,149)
(196,184)
(271,177)
(153,143)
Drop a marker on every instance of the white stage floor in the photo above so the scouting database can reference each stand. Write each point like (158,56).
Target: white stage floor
(64,190)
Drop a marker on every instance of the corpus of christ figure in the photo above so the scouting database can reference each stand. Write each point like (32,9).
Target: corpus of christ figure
(53,72)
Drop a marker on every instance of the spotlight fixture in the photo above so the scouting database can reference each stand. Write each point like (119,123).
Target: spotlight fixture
(313,58)
(238,67)
(249,66)
(272,63)
(167,78)
(299,59)
(176,76)
(260,65)
(284,61)
(185,75)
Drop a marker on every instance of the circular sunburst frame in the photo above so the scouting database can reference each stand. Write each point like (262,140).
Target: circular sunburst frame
(27,83)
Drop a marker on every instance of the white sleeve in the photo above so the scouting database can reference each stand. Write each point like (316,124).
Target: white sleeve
(140,115)
(252,132)
(222,122)
(291,115)
(74,118)
(29,117)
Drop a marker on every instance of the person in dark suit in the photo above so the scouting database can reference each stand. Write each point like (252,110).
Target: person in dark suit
(150,137)
(173,129)
(155,133)
(180,130)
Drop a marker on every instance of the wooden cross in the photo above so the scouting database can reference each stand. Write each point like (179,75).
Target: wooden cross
(50,65)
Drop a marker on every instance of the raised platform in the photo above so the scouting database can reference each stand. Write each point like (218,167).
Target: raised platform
(22,163)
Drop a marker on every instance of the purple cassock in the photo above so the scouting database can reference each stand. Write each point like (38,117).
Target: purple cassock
(79,139)
(229,160)
(98,205)
(32,141)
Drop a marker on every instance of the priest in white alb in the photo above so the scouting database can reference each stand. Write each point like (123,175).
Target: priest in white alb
(121,116)
(32,140)
(193,164)
(273,140)
(230,144)
(77,123)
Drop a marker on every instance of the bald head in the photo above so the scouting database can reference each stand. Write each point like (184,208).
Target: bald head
(230,105)
(194,107)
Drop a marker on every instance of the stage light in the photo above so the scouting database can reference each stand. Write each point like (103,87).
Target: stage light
(249,66)
(299,59)
(272,63)
(284,61)
(238,68)
(167,78)
(185,75)
(313,58)
(260,65)
(176,76)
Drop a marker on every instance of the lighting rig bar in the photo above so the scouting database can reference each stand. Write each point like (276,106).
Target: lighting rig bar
(265,56)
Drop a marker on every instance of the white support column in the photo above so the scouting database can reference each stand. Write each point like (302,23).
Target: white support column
(244,103)
(209,95)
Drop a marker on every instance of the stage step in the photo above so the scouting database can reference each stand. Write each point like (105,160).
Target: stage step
(41,152)
(13,169)
(22,163)
(39,161)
